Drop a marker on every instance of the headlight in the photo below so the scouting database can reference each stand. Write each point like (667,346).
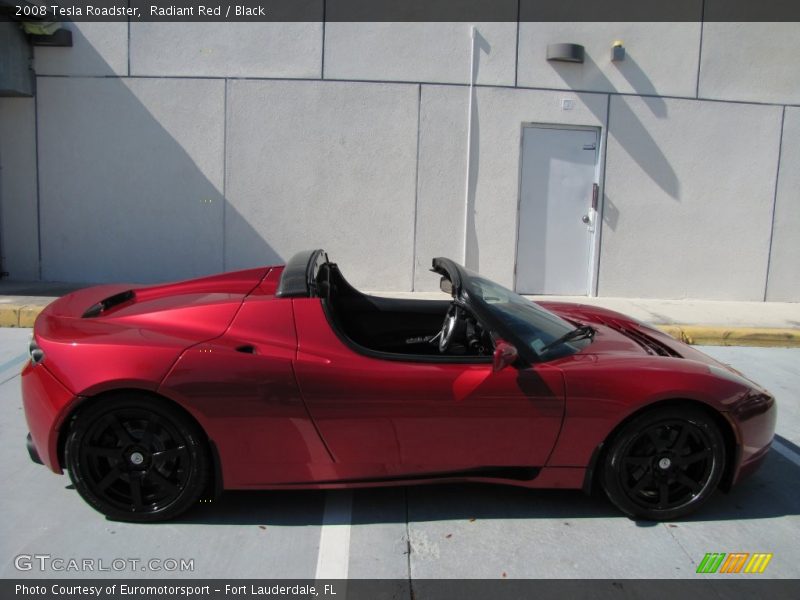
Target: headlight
(37,354)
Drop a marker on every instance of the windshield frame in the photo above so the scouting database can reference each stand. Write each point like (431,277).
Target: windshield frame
(465,292)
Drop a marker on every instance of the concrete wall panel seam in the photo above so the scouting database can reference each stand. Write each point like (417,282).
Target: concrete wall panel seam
(433,83)
(774,202)
(322,50)
(700,53)
(224,172)
(516,51)
(416,193)
(129,47)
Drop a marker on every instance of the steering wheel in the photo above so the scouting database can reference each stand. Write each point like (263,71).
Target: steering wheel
(448,327)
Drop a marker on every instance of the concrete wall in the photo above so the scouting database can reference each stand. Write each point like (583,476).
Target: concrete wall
(689,207)
(234,50)
(328,165)
(131,186)
(172,150)
(751,62)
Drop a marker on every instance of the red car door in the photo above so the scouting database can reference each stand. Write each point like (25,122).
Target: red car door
(400,417)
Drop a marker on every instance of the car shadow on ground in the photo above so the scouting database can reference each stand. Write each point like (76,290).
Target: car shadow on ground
(769,493)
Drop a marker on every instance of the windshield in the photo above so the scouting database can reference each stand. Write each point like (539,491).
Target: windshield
(536,326)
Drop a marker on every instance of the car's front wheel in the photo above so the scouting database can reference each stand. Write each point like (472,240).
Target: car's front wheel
(664,464)
(135,458)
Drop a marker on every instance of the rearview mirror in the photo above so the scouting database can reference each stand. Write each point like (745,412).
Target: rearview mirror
(504,355)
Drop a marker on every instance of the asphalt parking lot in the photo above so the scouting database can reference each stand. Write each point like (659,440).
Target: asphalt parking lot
(450,531)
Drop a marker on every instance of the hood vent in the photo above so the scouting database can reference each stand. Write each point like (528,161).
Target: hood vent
(651,345)
(109,303)
(648,343)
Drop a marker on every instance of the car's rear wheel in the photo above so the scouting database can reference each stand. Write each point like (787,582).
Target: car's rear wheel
(664,464)
(136,458)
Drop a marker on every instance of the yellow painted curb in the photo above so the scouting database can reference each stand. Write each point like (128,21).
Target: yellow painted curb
(28,314)
(673,330)
(19,315)
(9,315)
(720,335)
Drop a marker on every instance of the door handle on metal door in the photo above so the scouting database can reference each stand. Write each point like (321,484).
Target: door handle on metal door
(586,219)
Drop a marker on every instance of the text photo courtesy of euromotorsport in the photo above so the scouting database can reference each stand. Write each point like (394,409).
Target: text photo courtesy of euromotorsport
(186,591)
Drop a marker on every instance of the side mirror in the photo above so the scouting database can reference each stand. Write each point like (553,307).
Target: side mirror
(504,355)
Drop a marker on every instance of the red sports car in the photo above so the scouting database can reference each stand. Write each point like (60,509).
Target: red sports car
(288,377)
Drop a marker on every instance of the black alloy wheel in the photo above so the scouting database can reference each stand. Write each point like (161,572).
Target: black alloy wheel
(664,464)
(137,458)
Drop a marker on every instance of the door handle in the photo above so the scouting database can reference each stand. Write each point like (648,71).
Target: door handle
(586,219)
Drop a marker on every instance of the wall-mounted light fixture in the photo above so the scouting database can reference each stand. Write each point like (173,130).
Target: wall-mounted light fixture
(565,53)
(617,51)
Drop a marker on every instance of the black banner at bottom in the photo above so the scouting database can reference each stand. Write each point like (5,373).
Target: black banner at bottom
(401,589)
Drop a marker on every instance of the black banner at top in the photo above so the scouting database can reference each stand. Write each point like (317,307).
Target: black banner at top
(401,10)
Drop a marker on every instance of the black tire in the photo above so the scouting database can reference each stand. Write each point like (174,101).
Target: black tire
(664,463)
(136,458)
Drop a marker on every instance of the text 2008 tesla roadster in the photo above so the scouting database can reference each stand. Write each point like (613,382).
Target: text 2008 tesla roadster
(288,377)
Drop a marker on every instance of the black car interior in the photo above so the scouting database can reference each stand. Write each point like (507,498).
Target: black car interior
(399,326)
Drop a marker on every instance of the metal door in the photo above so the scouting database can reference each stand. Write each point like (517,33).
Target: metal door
(557,210)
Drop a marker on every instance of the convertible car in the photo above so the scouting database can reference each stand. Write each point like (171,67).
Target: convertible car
(155,398)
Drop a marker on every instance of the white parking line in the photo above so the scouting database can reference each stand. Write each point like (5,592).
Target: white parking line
(17,360)
(333,557)
(786,452)
(7,369)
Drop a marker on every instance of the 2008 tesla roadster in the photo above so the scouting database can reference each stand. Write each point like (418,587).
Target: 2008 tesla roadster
(279,377)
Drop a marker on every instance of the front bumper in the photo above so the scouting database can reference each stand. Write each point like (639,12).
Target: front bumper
(753,419)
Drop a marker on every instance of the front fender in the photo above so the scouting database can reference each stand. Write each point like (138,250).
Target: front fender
(603,392)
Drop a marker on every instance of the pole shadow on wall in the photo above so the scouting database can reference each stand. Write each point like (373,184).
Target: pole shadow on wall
(131,176)
(471,249)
